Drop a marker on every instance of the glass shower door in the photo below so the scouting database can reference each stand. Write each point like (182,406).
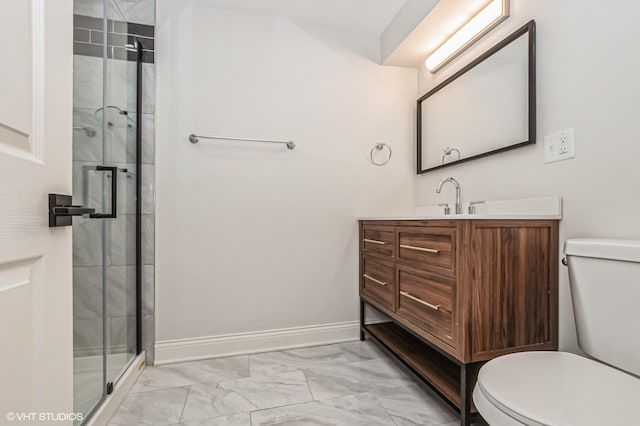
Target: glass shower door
(89,243)
(105,149)
(121,132)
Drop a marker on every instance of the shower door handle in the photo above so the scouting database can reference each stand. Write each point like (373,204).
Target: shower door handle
(114,194)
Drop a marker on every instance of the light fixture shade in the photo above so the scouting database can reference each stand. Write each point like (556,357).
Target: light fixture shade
(483,22)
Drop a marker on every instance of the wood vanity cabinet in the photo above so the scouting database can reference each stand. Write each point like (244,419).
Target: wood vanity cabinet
(459,293)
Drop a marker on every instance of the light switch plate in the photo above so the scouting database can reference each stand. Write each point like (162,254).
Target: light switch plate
(559,146)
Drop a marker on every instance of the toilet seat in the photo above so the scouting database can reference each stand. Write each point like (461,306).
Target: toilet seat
(555,388)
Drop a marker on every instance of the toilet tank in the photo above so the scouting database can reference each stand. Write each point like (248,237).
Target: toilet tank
(604,275)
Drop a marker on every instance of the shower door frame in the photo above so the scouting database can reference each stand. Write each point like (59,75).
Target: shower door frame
(139,52)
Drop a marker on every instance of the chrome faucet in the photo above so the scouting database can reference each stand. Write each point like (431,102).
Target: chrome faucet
(455,182)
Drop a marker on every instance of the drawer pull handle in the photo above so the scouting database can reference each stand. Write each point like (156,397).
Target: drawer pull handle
(422,302)
(382,283)
(428,250)
(367,240)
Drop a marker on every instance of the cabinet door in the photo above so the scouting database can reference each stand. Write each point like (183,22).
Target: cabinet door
(378,241)
(428,301)
(378,281)
(427,248)
(514,287)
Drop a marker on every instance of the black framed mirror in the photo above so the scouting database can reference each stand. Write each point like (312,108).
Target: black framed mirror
(487,107)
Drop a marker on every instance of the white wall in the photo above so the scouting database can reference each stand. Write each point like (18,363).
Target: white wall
(588,79)
(256,237)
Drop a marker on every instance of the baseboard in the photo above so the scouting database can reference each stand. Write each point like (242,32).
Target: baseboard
(122,387)
(171,351)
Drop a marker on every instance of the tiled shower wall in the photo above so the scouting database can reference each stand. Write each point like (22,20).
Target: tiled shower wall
(119,247)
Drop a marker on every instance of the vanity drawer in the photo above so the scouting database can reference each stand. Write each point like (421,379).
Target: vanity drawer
(379,241)
(378,281)
(428,301)
(427,248)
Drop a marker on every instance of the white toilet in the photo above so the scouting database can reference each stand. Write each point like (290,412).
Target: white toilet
(559,388)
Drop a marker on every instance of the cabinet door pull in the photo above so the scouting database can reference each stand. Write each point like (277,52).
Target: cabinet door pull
(382,283)
(422,302)
(382,243)
(428,250)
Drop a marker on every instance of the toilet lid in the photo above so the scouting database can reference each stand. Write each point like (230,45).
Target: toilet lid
(560,388)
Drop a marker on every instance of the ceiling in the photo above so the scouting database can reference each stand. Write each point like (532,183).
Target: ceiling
(408,29)
(365,16)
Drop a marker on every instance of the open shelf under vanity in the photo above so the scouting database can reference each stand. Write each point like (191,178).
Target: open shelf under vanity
(437,374)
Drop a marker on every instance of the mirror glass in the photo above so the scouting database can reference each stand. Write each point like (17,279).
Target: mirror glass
(485,108)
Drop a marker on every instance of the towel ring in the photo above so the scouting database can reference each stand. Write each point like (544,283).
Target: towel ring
(448,151)
(379,147)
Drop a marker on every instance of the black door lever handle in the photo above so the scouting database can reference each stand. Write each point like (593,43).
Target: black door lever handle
(61,210)
(72,211)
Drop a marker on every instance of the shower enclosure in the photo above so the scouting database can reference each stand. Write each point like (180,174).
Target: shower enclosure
(106,177)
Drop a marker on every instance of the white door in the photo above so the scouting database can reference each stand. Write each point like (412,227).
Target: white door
(36,363)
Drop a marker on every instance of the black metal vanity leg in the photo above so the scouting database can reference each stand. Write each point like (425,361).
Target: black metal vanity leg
(465,396)
(361,320)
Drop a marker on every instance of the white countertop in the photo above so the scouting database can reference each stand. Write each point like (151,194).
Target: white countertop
(542,208)
(468,216)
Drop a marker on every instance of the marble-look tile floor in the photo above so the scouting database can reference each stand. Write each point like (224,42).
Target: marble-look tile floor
(343,384)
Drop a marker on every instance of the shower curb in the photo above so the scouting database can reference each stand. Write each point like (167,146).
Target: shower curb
(111,403)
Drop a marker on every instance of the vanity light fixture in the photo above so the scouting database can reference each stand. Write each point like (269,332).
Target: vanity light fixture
(484,21)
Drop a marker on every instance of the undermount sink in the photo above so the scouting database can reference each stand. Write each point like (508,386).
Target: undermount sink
(524,208)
